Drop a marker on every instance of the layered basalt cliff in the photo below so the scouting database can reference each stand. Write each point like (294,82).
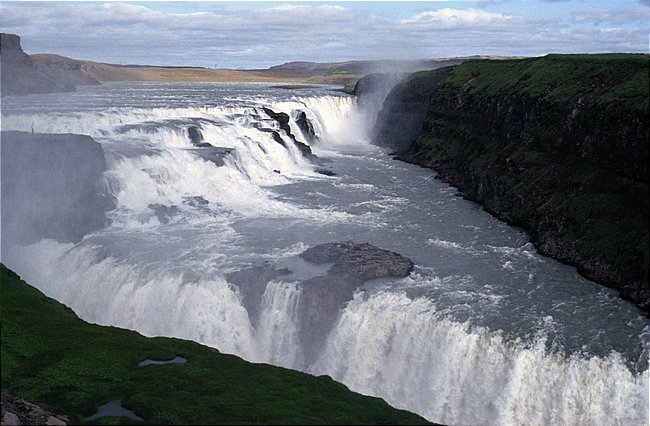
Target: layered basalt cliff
(557,145)
(22,75)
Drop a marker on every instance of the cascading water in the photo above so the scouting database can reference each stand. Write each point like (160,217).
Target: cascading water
(484,331)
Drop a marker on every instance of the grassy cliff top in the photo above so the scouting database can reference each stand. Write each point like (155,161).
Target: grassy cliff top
(54,359)
(609,78)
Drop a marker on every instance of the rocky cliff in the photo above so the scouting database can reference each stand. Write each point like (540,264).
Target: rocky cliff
(557,145)
(51,187)
(22,75)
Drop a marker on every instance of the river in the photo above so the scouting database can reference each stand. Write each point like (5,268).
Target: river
(484,331)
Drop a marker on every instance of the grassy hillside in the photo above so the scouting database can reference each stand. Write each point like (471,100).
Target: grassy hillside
(557,145)
(52,358)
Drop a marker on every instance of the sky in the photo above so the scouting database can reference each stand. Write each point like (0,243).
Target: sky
(248,35)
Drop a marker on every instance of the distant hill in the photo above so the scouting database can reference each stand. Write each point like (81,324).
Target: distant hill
(21,74)
(45,73)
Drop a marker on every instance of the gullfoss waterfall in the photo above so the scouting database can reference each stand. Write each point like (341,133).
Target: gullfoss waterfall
(210,181)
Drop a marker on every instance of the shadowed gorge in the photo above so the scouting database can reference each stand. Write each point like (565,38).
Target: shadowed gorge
(557,145)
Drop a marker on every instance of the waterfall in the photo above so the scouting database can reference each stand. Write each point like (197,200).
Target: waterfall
(183,220)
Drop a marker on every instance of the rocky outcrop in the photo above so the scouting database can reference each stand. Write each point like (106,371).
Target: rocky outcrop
(252,283)
(557,145)
(357,263)
(306,127)
(21,75)
(324,295)
(283,120)
(16,411)
(404,110)
(51,187)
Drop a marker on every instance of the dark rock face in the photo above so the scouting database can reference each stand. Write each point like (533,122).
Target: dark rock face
(372,89)
(283,120)
(252,283)
(213,154)
(51,187)
(196,137)
(306,127)
(404,110)
(323,296)
(565,158)
(22,76)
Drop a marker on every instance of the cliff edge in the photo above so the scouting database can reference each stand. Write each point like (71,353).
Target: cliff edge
(557,145)
(22,75)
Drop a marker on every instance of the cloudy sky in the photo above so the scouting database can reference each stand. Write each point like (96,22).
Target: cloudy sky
(261,34)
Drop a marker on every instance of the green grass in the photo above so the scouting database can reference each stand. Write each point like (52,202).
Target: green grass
(610,78)
(52,358)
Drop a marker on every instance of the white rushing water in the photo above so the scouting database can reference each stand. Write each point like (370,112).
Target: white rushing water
(484,331)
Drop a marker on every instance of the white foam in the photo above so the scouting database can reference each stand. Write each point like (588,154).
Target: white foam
(402,350)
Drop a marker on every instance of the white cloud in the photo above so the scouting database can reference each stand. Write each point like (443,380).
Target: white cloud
(457,18)
(269,35)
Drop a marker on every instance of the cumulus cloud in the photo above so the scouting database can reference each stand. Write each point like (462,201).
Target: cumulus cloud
(457,18)
(118,32)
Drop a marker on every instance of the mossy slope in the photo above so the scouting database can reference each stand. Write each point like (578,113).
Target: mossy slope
(52,358)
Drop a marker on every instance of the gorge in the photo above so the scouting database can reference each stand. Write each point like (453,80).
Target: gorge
(221,228)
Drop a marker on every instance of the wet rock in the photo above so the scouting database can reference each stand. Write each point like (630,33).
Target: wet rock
(204,145)
(213,154)
(324,296)
(360,261)
(306,127)
(163,212)
(325,172)
(196,137)
(283,120)
(10,419)
(252,283)
(196,201)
